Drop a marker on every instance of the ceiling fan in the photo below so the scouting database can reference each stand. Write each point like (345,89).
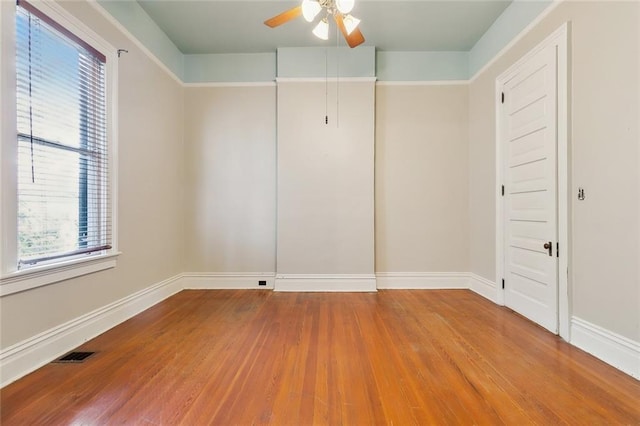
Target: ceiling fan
(309,9)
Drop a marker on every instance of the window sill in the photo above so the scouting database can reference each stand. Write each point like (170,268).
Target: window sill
(27,279)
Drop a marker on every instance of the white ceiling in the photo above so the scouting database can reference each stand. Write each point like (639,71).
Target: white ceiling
(236,26)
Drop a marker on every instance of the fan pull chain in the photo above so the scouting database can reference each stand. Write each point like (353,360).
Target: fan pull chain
(326,87)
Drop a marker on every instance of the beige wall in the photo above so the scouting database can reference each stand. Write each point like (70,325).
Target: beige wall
(150,217)
(482,173)
(422,179)
(325,179)
(604,56)
(230,179)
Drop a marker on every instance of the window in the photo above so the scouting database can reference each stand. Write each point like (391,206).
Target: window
(62,155)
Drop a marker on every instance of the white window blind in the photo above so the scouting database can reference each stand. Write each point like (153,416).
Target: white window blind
(63,183)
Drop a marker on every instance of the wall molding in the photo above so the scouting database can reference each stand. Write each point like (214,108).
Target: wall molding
(422,280)
(24,357)
(484,287)
(326,283)
(422,83)
(614,349)
(232,84)
(324,80)
(438,281)
(227,280)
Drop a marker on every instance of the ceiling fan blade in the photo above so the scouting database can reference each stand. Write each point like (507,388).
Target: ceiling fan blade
(284,17)
(355,38)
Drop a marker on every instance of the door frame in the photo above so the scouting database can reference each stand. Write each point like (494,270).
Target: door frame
(560,39)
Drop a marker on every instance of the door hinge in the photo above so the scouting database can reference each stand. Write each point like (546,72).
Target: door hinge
(503,283)
(503,190)
(502,97)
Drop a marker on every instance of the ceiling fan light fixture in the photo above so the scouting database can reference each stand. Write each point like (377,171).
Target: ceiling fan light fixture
(310,9)
(345,6)
(322,29)
(337,9)
(350,23)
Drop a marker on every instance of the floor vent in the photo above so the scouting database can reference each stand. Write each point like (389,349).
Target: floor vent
(74,357)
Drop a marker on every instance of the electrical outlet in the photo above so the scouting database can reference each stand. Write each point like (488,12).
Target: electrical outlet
(262,283)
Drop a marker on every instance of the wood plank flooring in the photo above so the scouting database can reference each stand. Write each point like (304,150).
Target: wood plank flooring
(259,357)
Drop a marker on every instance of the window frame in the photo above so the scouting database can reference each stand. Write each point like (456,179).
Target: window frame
(12,279)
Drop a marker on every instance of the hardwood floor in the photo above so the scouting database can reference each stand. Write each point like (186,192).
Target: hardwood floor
(259,357)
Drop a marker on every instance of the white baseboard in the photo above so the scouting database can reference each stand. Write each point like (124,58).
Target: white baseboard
(484,287)
(615,350)
(422,280)
(325,283)
(24,357)
(227,280)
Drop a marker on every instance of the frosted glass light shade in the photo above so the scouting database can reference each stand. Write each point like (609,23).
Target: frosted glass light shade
(350,23)
(310,9)
(345,6)
(322,29)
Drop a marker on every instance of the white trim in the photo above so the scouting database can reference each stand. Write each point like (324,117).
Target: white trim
(484,287)
(8,149)
(517,38)
(499,200)
(423,83)
(113,147)
(326,282)
(614,349)
(559,38)
(422,280)
(113,21)
(15,282)
(438,280)
(24,357)
(564,182)
(227,280)
(232,84)
(323,80)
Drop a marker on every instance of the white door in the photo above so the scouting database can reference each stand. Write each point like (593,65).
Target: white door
(529,138)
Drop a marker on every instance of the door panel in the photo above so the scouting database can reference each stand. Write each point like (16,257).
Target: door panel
(528,148)
(527,206)
(528,177)
(530,86)
(526,234)
(530,203)
(528,293)
(528,119)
